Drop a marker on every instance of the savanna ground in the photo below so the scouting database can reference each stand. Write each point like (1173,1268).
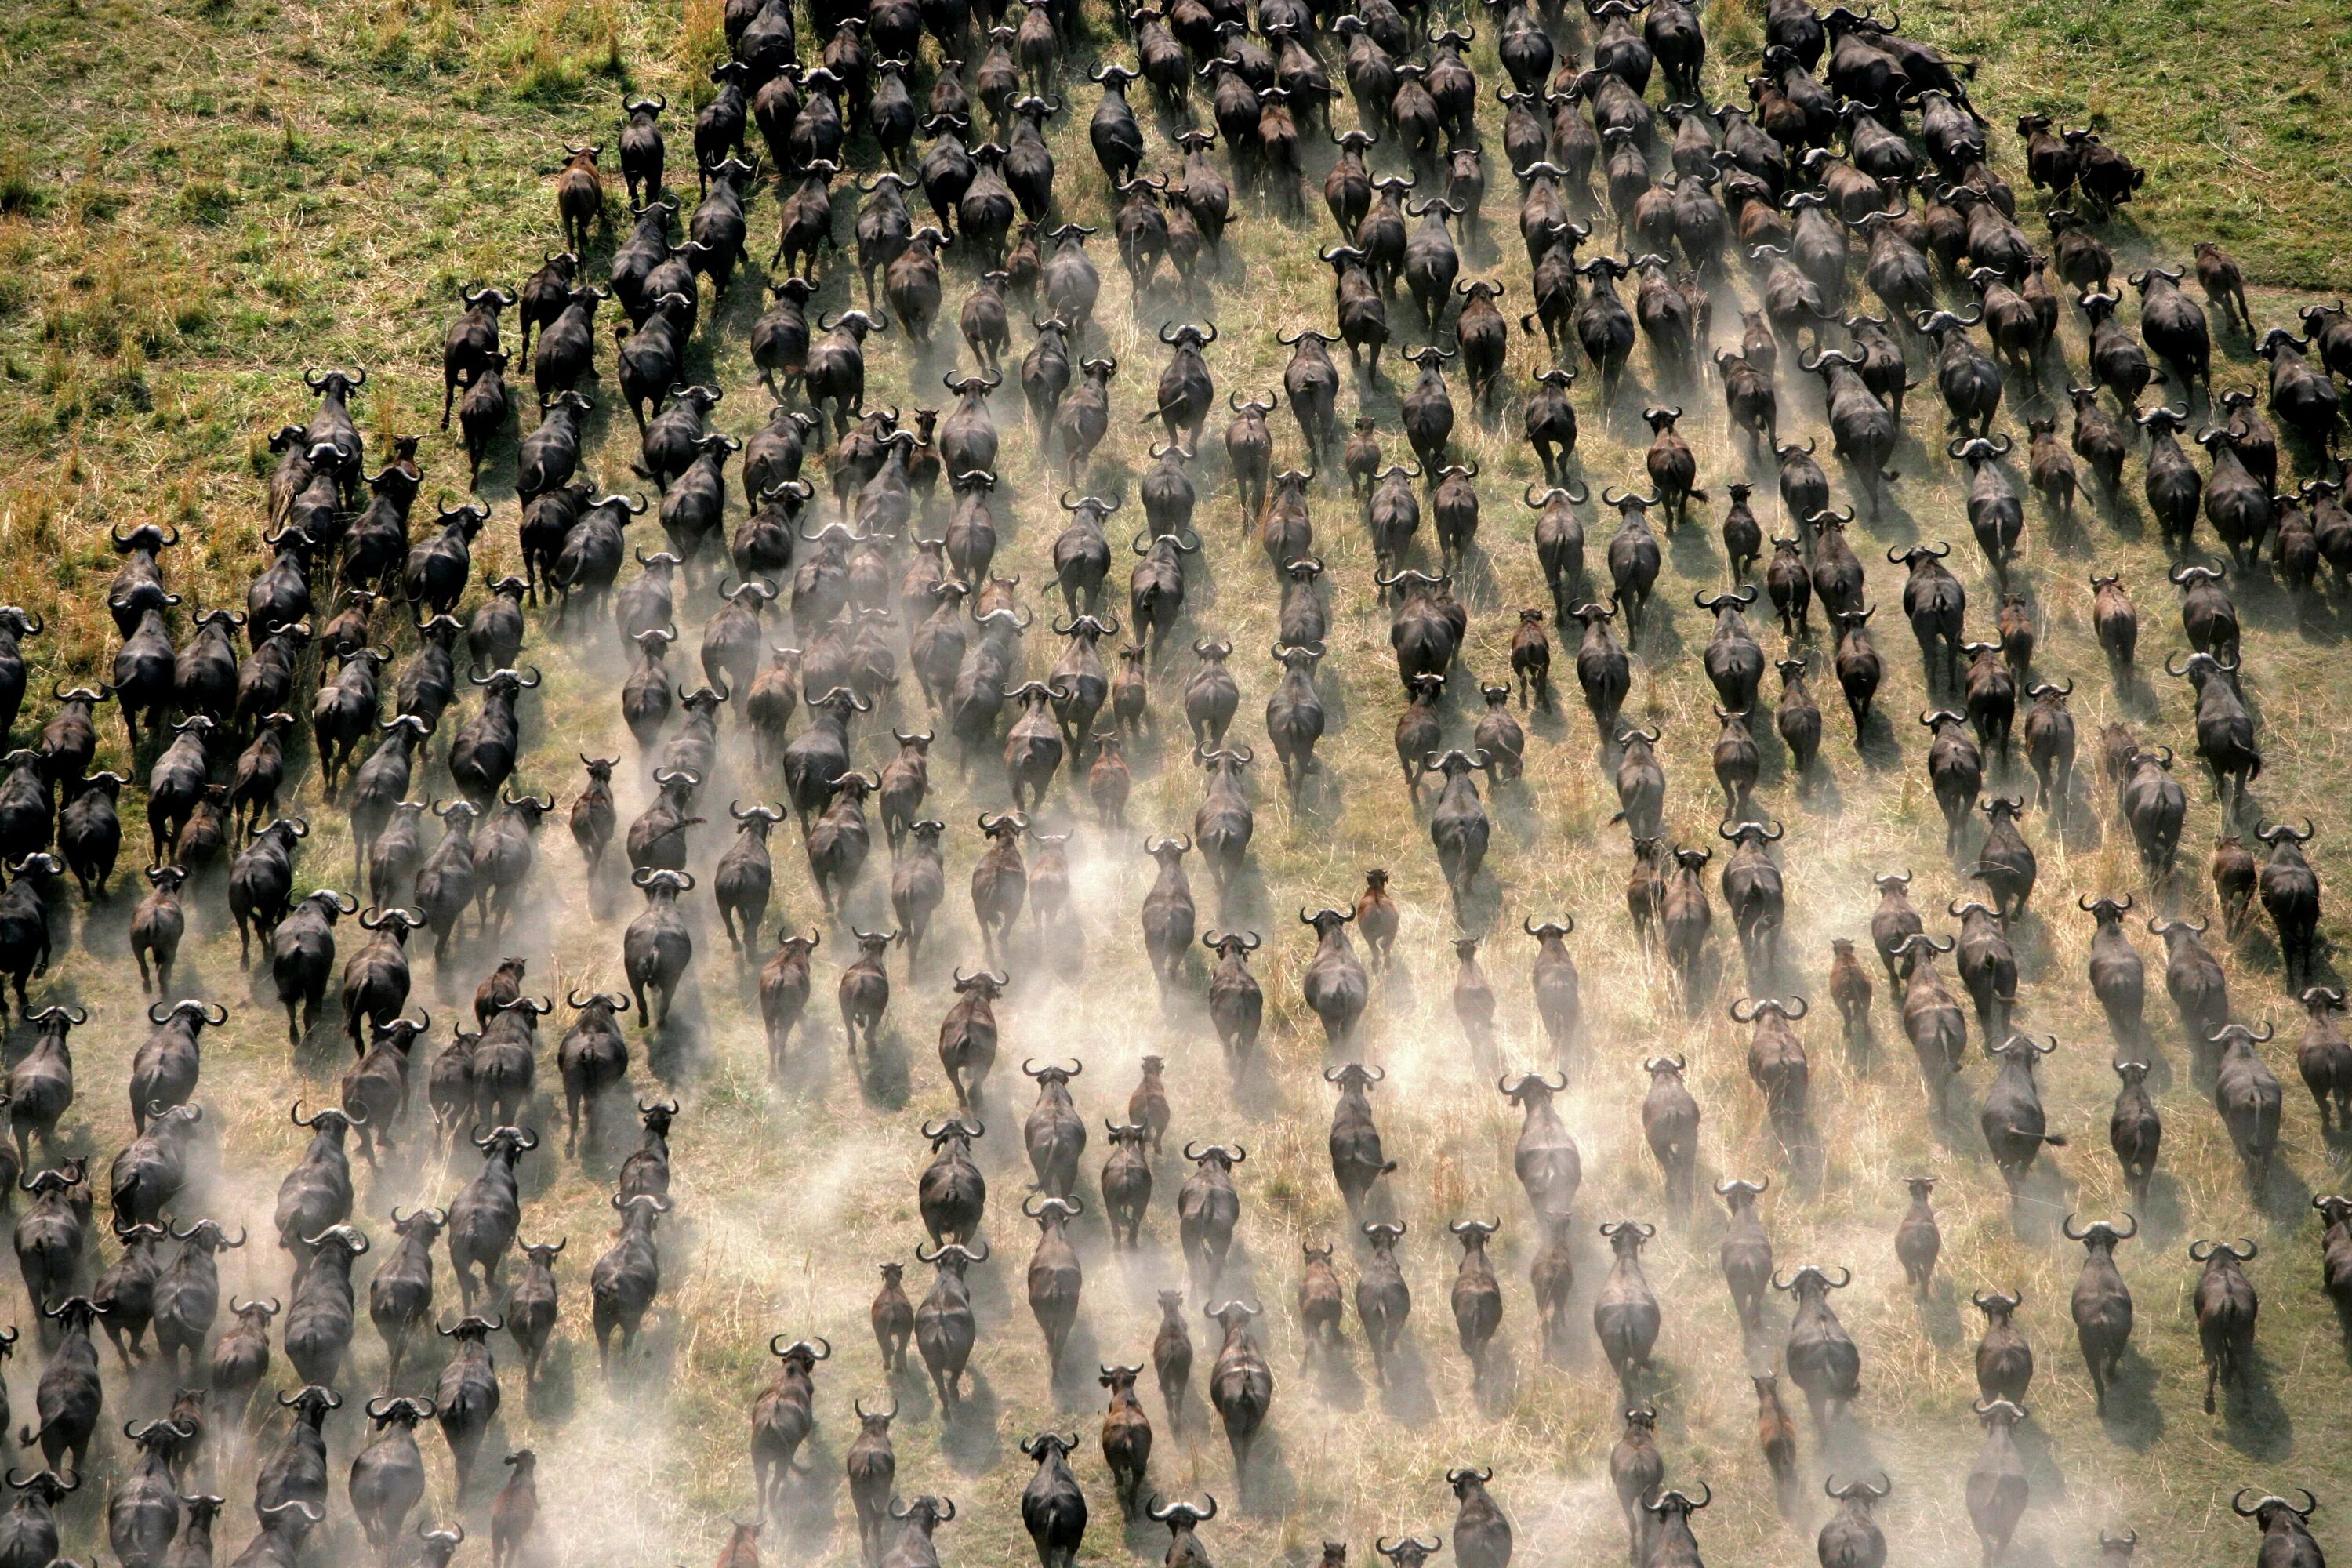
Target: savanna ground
(196,202)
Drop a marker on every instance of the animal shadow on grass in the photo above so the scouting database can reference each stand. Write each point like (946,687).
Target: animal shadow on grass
(2077,818)
(968,1439)
(1548,721)
(1663,648)
(2044,1474)
(1266,1485)
(910,1386)
(1494,1385)
(1481,910)
(1807,1160)
(1474,576)
(2132,1417)
(2343,1310)
(991,1303)
(1698,551)
(2318,619)
(884,1075)
(1243,899)
(1253,1084)
(1074,1382)
(556,1393)
(2039,1201)
(1405,1395)
(1237,1280)
(1817,790)
(2284,1197)
(807,1503)
(676,1048)
(1322,797)
(2135,696)
(1337,1382)
(1876,743)
(1939,1313)
(808,1070)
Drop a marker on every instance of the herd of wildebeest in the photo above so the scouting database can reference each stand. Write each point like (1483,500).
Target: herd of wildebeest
(355,660)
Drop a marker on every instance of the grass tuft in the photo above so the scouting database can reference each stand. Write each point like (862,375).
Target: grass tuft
(205,201)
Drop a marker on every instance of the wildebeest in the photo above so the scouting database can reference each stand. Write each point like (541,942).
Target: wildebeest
(1636,1470)
(1625,1313)
(624,1282)
(944,1329)
(1240,1386)
(318,1314)
(2004,1359)
(1207,1209)
(1355,1141)
(1334,983)
(1996,1485)
(782,1415)
(1822,1357)
(2249,1097)
(2102,1302)
(2286,1529)
(1852,1538)
(487,1211)
(2226,1309)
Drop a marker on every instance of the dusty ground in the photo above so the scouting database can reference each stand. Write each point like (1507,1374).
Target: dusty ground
(200,204)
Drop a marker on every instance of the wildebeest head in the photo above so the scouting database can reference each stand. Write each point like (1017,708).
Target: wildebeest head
(1530,1089)
(348,1239)
(404,1412)
(1047,1445)
(207,1236)
(2098,1234)
(926,1512)
(1216,1156)
(1625,1237)
(1050,1076)
(957,1130)
(46,1485)
(1812,1284)
(311,1403)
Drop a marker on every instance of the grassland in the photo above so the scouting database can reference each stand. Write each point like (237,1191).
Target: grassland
(198,202)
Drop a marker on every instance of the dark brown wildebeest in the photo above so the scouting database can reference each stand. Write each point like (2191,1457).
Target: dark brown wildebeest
(2102,1302)
(2226,1309)
(1822,1357)
(783,1417)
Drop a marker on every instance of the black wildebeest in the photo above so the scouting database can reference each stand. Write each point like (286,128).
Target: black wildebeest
(1625,1313)
(2102,1302)
(782,1416)
(1822,1357)
(1355,1141)
(1241,1385)
(2286,1529)
(1052,1507)
(1996,1487)
(1334,984)
(944,1327)
(1207,1209)
(624,1282)
(2249,1098)
(320,1314)
(487,1211)
(2226,1310)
